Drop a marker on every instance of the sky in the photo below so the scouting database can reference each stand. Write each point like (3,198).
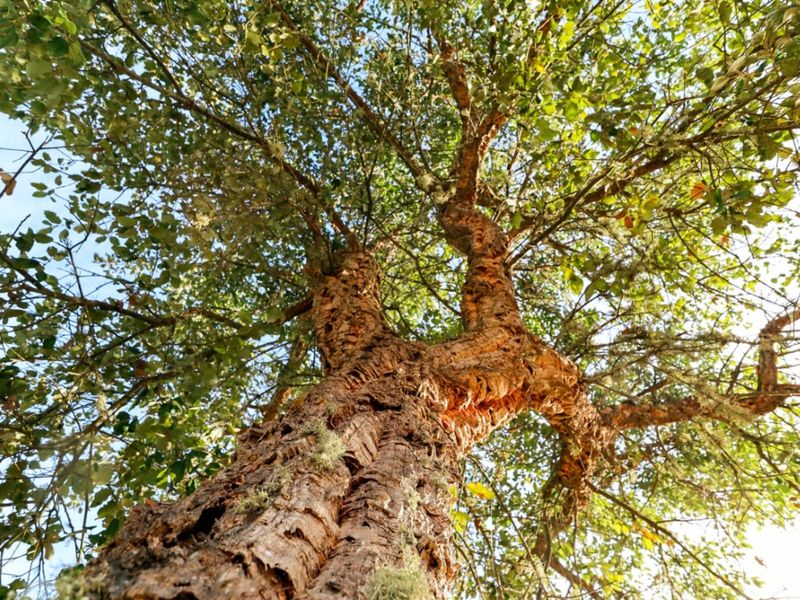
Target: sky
(13,149)
(775,559)
(775,554)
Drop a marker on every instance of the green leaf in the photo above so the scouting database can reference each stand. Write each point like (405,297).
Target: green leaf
(660,236)
(252,40)
(38,67)
(719,225)
(8,39)
(58,46)
(724,9)
(104,473)
(39,22)
(575,284)
(52,217)
(789,66)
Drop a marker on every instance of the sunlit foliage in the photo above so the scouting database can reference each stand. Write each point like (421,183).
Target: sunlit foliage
(197,151)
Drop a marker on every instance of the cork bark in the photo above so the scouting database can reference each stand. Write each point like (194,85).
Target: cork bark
(352,486)
(349,492)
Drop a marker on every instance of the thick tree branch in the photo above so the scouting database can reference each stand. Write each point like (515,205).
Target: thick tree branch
(295,310)
(503,367)
(347,312)
(768,396)
(488,297)
(456,76)
(476,133)
(549,384)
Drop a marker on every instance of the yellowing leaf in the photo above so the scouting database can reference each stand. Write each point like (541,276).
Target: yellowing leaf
(651,202)
(9,181)
(698,190)
(453,491)
(460,520)
(480,490)
(649,535)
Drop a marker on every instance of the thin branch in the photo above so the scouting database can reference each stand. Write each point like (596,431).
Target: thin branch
(180,97)
(372,119)
(586,196)
(573,578)
(667,154)
(143,43)
(10,181)
(117,307)
(665,532)
(294,360)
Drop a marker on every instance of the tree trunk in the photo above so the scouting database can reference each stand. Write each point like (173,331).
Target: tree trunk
(348,495)
(350,486)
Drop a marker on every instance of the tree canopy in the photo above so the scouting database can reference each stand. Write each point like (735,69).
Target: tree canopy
(643,157)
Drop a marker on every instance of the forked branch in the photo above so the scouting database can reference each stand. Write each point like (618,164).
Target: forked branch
(769,395)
